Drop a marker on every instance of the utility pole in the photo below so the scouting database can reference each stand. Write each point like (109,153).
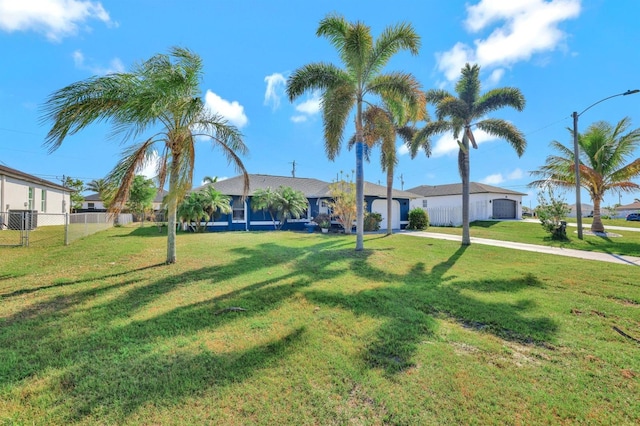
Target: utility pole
(293,169)
(401,182)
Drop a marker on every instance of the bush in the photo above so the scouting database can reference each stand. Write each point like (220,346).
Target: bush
(418,219)
(551,213)
(372,221)
(323,220)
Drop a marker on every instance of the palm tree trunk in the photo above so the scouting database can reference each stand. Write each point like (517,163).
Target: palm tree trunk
(359,181)
(596,225)
(389,200)
(172,208)
(463,159)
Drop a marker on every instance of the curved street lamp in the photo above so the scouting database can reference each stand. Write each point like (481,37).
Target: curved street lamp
(576,155)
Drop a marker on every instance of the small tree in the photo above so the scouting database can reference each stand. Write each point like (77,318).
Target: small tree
(343,193)
(418,219)
(372,221)
(551,210)
(283,203)
(192,209)
(141,196)
(76,186)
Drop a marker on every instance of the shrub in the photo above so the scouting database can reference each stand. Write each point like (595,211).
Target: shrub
(551,213)
(418,219)
(372,221)
(323,220)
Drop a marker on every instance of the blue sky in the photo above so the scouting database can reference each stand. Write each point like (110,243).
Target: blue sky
(564,55)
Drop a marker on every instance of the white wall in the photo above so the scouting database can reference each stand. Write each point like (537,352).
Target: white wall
(14,193)
(480,207)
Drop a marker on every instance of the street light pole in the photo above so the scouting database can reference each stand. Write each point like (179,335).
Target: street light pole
(576,155)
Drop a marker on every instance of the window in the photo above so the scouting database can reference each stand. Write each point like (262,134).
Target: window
(31,193)
(238,210)
(91,206)
(43,200)
(424,204)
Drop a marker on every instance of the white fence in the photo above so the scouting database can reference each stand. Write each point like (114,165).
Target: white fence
(26,227)
(452,216)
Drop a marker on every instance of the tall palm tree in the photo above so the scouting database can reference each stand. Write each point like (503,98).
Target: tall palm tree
(343,89)
(162,95)
(604,155)
(381,125)
(459,114)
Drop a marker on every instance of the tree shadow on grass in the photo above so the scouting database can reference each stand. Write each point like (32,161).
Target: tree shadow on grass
(410,310)
(103,362)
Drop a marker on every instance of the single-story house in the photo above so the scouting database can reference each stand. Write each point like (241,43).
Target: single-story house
(93,204)
(444,202)
(21,192)
(317,193)
(587,210)
(623,211)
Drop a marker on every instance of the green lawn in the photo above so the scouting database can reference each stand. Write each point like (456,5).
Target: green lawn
(627,243)
(409,331)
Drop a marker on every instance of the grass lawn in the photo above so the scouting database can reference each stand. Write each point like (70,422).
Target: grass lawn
(408,331)
(532,233)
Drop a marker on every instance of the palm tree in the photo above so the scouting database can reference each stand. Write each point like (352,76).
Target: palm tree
(192,209)
(283,203)
(104,189)
(160,93)
(344,89)
(459,114)
(604,155)
(381,125)
(215,201)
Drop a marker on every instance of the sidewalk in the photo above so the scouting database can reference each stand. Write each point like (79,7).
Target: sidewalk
(588,226)
(589,255)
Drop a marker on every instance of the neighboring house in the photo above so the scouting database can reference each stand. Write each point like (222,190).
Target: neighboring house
(444,203)
(93,203)
(623,211)
(587,210)
(20,191)
(316,192)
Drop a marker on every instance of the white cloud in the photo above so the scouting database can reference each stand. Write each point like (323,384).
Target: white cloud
(56,19)
(150,167)
(403,149)
(275,89)
(311,106)
(498,178)
(299,118)
(523,28)
(516,174)
(447,145)
(115,65)
(232,111)
(494,179)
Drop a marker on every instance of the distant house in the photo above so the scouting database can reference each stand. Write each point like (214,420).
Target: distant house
(317,193)
(20,191)
(587,210)
(93,204)
(623,211)
(444,202)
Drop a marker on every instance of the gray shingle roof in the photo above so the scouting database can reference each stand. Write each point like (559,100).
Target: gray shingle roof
(456,189)
(8,171)
(311,188)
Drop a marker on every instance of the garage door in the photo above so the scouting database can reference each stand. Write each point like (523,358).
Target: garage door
(380,206)
(504,209)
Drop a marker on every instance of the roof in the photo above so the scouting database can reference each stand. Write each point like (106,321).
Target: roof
(158,199)
(311,188)
(632,206)
(456,189)
(8,171)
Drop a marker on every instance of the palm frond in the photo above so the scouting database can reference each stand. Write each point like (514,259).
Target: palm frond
(316,76)
(504,130)
(391,41)
(336,106)
(468,86)
(499,98)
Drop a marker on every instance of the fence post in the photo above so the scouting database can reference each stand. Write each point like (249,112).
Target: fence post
(66,229)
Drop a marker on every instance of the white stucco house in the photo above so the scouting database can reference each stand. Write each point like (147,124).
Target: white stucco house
(444,203)
(20,191)
(624,210)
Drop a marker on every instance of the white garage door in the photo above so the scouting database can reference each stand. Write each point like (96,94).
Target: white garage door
(380,206)
(504,209)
